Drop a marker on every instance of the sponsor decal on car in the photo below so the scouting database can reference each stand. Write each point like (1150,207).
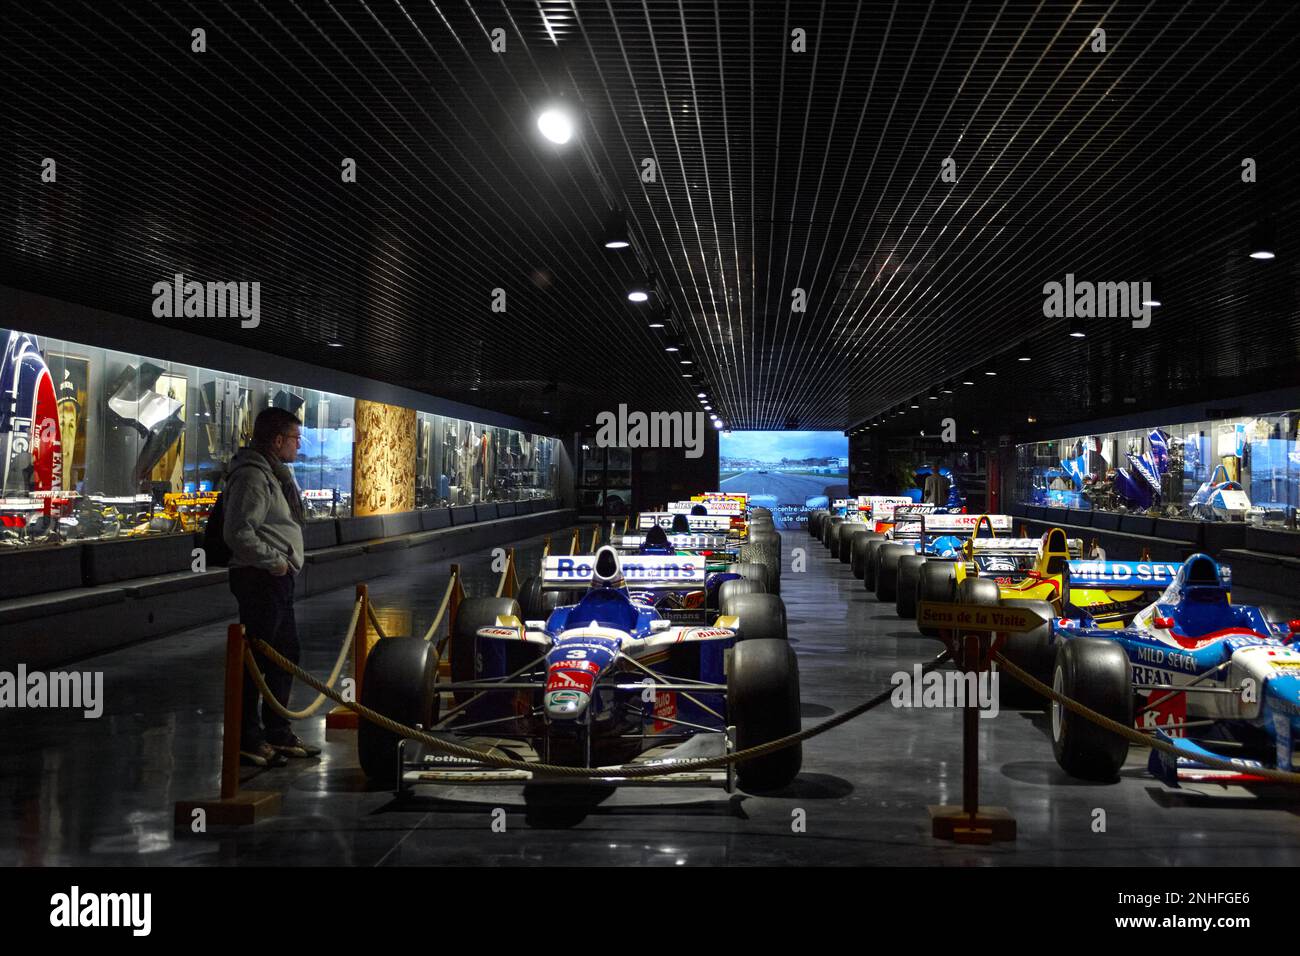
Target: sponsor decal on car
(562,678)
(665,706)
(500,632)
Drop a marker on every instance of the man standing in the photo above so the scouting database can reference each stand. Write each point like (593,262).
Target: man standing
(263,529)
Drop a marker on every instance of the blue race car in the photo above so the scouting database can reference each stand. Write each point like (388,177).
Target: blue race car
(602,681)
(1211,677)
(918,535)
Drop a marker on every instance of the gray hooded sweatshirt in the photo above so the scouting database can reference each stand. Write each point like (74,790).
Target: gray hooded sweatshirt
(260,527)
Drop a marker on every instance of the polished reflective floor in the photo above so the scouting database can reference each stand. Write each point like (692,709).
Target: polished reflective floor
(101,792)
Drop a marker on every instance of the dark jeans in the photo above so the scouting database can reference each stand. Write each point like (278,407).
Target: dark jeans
(266,611)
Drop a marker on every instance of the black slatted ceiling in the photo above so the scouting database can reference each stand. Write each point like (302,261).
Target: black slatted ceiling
(777,170)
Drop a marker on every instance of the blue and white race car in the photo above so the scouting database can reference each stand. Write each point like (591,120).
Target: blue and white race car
(603,681)
(1211,677)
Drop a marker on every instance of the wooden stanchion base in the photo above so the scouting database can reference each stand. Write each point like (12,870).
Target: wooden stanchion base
(989,825)
(243,809)
(340,718)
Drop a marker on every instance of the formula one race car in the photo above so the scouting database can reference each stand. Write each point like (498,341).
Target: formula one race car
(603,681)
(917,536)
(1212,678)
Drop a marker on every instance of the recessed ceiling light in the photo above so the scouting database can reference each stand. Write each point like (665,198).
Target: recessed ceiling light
(685,362)
(699,394)
(708,408)
(1076,329)
(688,375)
(637,295)
(670,348)
(916,406)
(965,382)
(656,325)
(1024,358)
(335,345)
(990,372)
(556,124)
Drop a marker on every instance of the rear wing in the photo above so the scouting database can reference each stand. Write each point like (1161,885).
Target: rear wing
(1019,547)
(682,542)
(952,523)
(715,506)
(642,571)
(1126,575)
(882,507)
(697,523)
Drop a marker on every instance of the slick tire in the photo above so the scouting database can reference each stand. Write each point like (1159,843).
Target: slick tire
(873,545)
(837,536)
(887,557)
(752,571)
(909,576)
(767,553)
(937,582)
(736,587)
(400,674)
(762,616)
(473,614)
(1096,673)
(847,539)
(763,704)
(1033,651)
(858,552)
(827,525)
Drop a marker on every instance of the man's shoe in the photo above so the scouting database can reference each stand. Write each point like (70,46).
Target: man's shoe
(262,755)
(291,745)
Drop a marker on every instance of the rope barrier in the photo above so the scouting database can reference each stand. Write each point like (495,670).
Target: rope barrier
(260,679)
(446,601)
(1132,735)
(374,621)
(627,771)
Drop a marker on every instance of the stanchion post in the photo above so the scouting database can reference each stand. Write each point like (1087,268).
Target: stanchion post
(457,595)
(972,823)
(233,806)
(234,717)
(595,538)
(576,542)
(546,547)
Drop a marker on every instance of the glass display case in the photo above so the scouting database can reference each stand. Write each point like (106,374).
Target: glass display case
(96,443)
(1235,469)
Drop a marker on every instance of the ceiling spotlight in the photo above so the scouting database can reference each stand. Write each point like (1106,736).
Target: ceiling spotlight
(713,418)
(616,234)
(1076,329)
(990,372)
(699,394)
(335,345)
(967,382)
(718,424)
(1152,299)
(916,406)
(670,347)
(656,324)
(1024,358)
(556,124)
(1031,419)
(933,396)
(947,387)
(708,408)
(687,375)
(637,295)
(1263,239)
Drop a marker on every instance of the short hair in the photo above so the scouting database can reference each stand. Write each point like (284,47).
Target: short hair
(272,423)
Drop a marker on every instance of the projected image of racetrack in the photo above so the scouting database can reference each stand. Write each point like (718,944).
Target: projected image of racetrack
(789,472)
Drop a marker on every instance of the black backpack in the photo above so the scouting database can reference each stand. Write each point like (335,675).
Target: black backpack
(216,551)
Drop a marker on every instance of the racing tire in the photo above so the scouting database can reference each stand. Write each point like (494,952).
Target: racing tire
(1033,651)
(869,561)
(887,557)
(399,683)
(763,705)
(847,538)
(858,551)
(473,614)
(738,586)
(837,536)
(815,523)
(752,571)
(909,575)
(936,582)
(833,522)
(768,554)
(762,616)
(1096,673)
(979,591)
